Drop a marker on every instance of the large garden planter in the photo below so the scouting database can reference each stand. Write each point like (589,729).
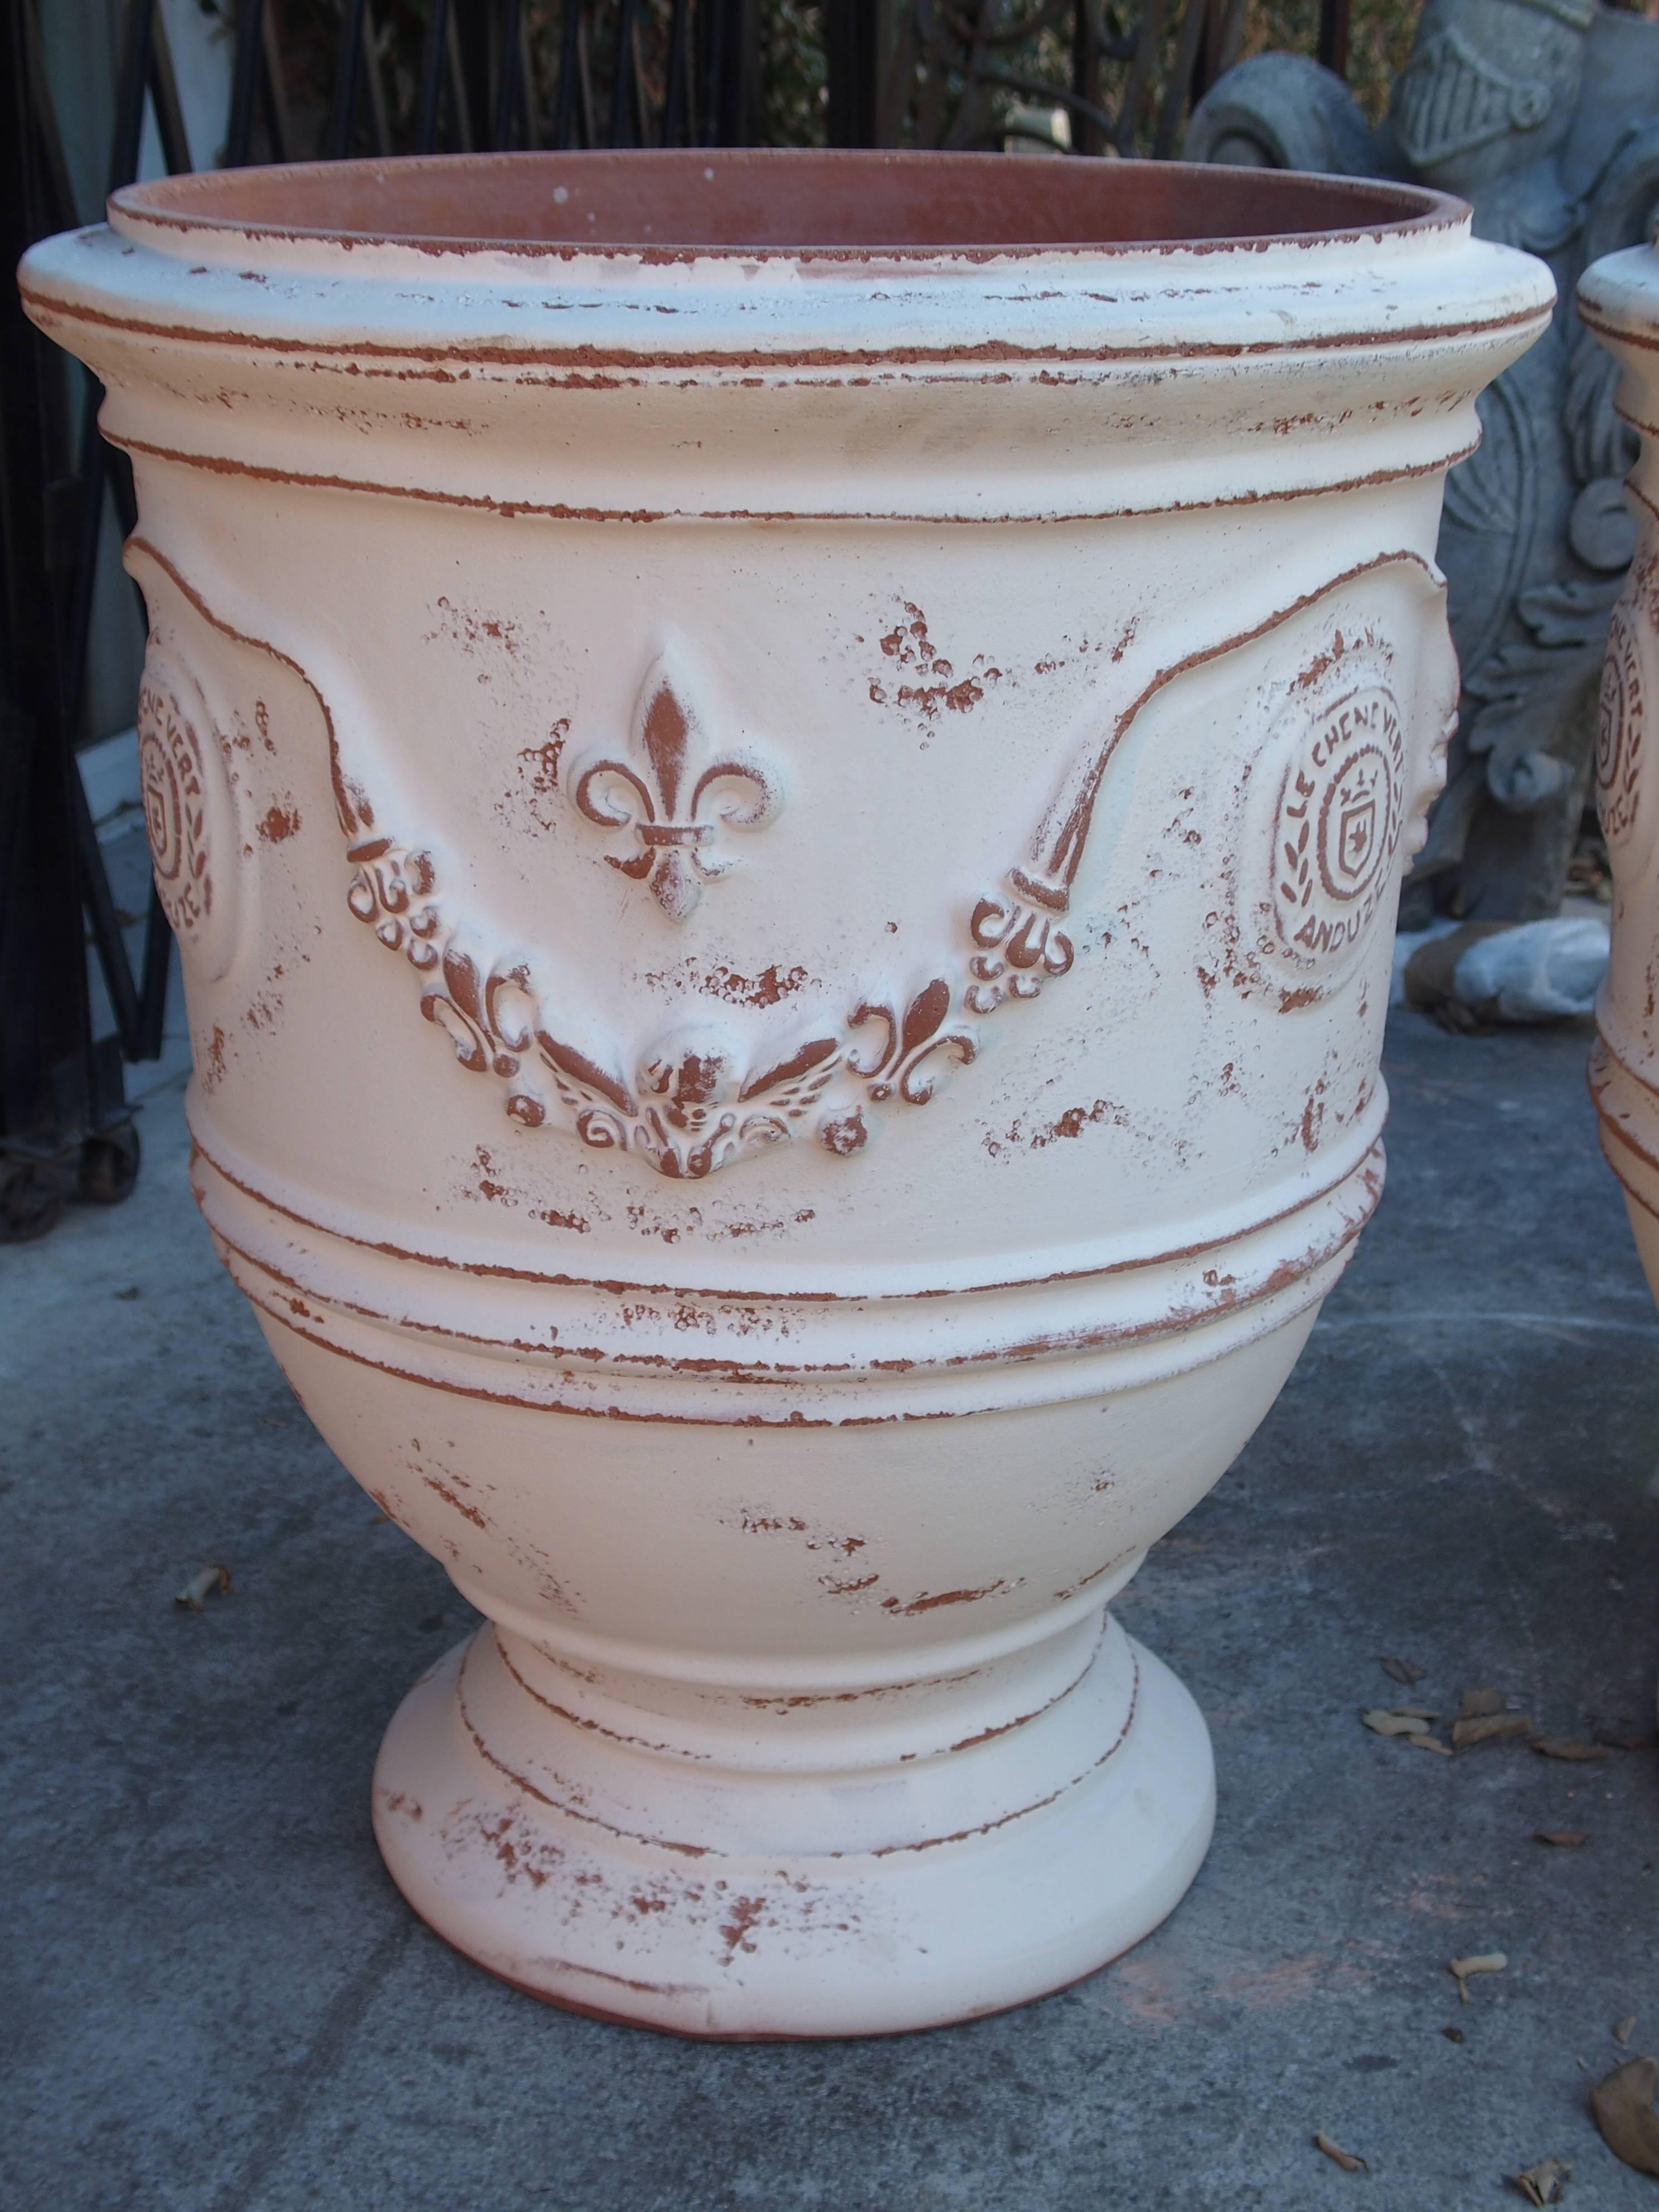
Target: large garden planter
(1618,299)
(783,778)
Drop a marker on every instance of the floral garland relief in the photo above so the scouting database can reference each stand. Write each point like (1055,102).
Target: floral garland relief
(691,1104)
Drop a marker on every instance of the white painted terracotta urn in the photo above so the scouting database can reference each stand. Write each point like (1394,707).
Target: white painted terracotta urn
(1619,302)
(782,778)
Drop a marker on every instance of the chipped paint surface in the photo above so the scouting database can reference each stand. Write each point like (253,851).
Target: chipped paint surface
(784,863)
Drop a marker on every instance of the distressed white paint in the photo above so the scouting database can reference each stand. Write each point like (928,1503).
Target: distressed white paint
(1618,299)
(851,1226)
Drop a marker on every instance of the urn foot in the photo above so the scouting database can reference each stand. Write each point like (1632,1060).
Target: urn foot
(795,1873)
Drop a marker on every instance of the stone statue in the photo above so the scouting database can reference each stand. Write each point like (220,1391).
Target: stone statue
(1545,115)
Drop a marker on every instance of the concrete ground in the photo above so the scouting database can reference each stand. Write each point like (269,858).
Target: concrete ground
(216,1998)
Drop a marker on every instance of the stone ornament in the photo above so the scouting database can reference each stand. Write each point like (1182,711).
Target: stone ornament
(831,778)
(1544,114)
(1618,299)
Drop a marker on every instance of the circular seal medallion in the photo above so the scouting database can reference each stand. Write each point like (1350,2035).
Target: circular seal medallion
(188,812)
(1338,829)
(1618,732)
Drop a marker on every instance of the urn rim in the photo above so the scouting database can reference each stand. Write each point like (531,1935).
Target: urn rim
(772,204)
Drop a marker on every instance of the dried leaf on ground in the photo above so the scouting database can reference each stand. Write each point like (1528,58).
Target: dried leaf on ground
(1401,1670)
(1568,1746)
(1350,2162)
(1542,2184)
(1482,1962)
(1402,1720)
(1623,2106)
(1452,2034)
(202,1585)
(1489,1728)
(1478,1703)
(1427,1742)
(1621,2028)
(1566,1839)
(1625,1736)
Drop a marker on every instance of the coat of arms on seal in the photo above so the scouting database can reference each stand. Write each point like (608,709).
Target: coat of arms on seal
(1339,822)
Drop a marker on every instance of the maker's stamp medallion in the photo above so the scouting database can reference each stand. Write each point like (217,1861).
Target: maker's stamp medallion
(1338,824)
(1618,732)
(1341,806)
(188,811)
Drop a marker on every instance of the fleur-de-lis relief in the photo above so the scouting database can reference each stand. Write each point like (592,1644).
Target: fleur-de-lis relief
(675,810)
(899,1067)
(1021,944)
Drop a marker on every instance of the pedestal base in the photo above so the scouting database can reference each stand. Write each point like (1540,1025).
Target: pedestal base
(523,1834)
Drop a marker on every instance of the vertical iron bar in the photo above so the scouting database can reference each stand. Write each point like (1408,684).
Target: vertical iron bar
(852,62)
(1181,81)
(164,102)
(898,82)
(506,85)
(60,211)
(105,920)
(972,104)
(433,50)
(460,87)
(710,31)
(469,56)
(1333,36)
(245,81)
(273,96)
(48,1077)
(735,52)
(564,113)
(153,979)
(1140,69)
(678,124)
(641,103)
(144,1039)
(348,68)
(129,90)
(622,75)
(377,107)
(133,1020)
(527,79)
(1086,135)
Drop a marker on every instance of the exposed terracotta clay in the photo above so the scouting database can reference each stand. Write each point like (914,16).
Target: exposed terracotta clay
(838,735)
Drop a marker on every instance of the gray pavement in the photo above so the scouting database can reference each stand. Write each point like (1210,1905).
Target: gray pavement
(213,1997)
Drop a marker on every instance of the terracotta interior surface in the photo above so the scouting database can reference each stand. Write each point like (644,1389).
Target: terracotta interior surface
(780,201)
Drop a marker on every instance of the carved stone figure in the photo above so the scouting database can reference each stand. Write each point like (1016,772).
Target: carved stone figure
(1545,115)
